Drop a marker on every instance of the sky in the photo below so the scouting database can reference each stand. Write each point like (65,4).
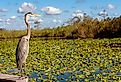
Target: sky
(54,12)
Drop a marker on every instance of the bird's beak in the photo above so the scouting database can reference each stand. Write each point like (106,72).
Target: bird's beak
(35,15)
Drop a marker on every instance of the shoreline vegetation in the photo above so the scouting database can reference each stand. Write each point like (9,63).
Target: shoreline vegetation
(88,28)
(92,53)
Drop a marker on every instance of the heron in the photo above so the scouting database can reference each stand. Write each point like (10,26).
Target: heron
(22,49)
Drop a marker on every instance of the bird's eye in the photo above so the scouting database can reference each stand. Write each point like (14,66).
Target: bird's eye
(26,39)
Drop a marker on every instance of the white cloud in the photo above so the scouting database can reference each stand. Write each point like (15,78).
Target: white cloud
(7,20)
(7,23)
(78,13)
(3,10)
(36,19)
(110,6)
(26,7)
(13,17)
(103,13)
(54,20)
(1,20)
(51,10)
(57,21)
(115,14)
(40,20)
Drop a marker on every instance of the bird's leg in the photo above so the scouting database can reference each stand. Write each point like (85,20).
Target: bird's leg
(20,73)
(25,69)
(21,70)
(21,77)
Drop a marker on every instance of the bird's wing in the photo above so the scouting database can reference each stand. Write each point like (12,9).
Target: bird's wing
(21,51)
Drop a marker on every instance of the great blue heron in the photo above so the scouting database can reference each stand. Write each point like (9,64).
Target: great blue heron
(22,49)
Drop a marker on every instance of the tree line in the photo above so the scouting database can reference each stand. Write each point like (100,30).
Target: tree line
(88,28)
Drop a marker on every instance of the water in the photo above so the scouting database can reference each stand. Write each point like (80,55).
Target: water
(13,71)
(69,76)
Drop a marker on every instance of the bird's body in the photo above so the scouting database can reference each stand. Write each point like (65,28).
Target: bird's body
(22,49)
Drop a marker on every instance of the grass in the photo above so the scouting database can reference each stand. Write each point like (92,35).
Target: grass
(66,60)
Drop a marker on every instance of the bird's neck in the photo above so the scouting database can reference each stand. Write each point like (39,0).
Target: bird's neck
(28,29)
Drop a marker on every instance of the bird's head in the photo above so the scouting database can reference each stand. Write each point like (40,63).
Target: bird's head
(30,14)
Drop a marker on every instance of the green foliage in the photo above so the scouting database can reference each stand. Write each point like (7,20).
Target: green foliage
(88,28)
(66,60)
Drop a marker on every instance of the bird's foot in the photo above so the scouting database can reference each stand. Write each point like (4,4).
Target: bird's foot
(22,77)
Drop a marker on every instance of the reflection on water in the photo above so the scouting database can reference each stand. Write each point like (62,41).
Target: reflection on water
(34,75)
(13,71)
(118,73)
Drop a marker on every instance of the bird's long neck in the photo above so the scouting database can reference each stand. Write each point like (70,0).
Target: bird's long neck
(28,28)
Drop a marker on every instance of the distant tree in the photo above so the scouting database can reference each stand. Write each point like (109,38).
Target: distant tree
(37,25)
(2,29)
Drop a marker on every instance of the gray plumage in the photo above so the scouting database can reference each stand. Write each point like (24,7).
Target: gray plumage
(22,49)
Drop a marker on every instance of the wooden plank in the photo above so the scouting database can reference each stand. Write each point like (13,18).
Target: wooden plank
(12,78)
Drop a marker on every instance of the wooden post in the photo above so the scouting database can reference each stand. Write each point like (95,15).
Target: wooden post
(12,78)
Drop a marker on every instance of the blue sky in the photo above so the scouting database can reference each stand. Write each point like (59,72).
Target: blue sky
(60,11)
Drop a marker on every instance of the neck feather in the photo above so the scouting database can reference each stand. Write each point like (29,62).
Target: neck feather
(28,28)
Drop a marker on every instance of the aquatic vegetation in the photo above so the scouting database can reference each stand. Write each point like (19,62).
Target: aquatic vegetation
(66,60)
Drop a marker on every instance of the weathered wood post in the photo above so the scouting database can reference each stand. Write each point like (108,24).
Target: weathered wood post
(12,78)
